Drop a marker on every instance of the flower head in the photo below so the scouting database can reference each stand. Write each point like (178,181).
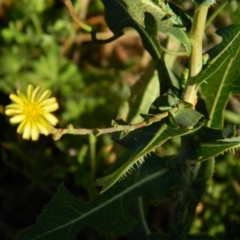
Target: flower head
(32,111)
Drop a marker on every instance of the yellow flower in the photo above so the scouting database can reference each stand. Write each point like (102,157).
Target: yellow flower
(33,112)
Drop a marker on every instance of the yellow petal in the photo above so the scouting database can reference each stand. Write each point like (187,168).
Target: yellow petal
(34,132)
(48,101)
(44,130)
(51,108)
(29,92)
(45,95)
(13,106)
(17,119)
(35,94)
(12,112)
(44,122)
(22,96)
(16,99)
(50,118)
(21,126)
(27,130)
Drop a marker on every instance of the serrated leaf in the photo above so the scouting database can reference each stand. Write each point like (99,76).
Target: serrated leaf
(233,139)
(221,146)
(214,149)
(142,136)
(161,134)
(64,216)
(209,142)
(222,74)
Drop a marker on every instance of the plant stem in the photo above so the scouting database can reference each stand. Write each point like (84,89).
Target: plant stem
(82,25)
(195,66)
(58,132)
(195,61)
(92,142)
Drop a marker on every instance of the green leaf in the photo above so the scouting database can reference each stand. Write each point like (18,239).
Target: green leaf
(141,137)
(214,149)
(143,93)
(208,142)
(65,216)
(163,103)
(138,8)
(142,144)
(220,146)
(187,117)
(233,139)
(205,143)
(183,18)
(132,13)
(222,74)
(118,18)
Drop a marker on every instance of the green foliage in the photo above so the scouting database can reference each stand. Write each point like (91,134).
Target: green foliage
(136,15)
(157,136)
(167,159)
(223,63)
(99,211)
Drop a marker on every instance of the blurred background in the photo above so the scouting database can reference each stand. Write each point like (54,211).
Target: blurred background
(41,45)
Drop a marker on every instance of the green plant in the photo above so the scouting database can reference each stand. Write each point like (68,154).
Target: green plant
(179,180)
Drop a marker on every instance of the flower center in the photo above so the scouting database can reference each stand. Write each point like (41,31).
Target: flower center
(32,111)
